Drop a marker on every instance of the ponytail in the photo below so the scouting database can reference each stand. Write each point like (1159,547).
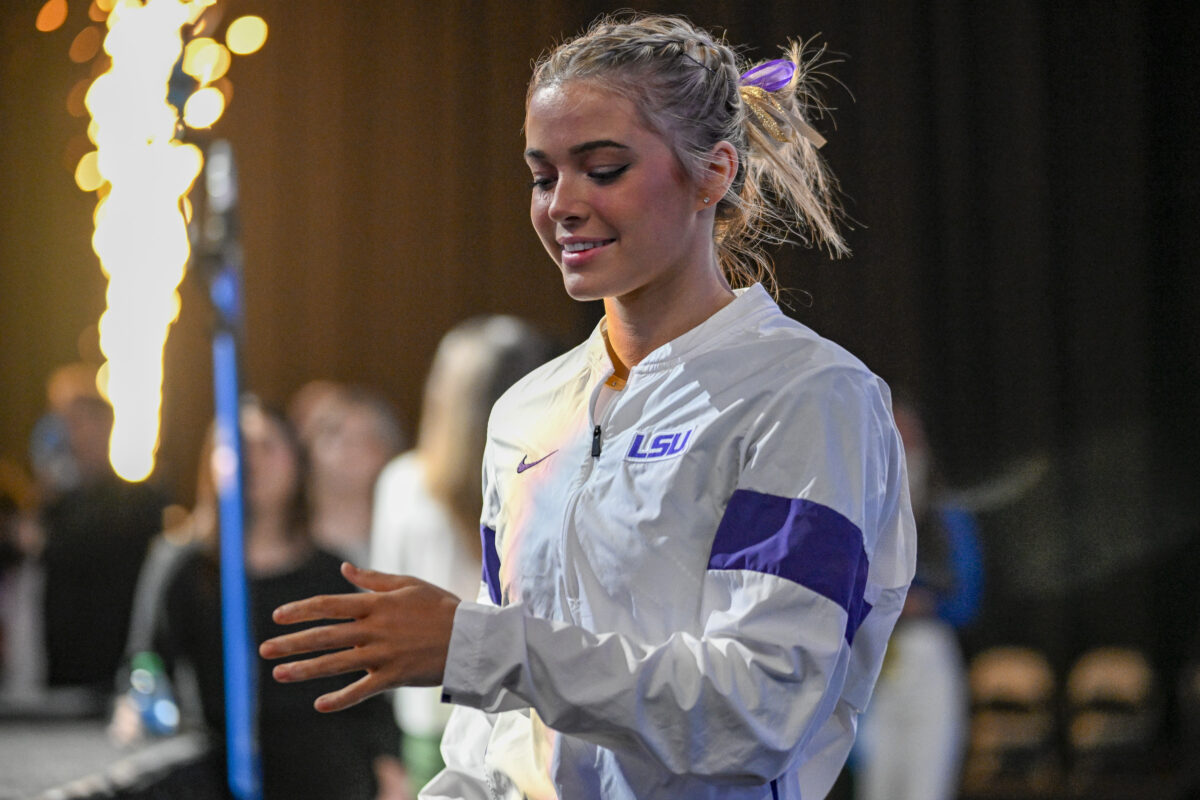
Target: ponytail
(785,192)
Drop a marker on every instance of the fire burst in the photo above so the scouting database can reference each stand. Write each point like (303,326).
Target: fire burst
(142,172)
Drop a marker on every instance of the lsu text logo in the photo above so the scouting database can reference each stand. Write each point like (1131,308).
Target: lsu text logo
(656,447)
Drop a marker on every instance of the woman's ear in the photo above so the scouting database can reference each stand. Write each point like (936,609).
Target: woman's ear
(718,174)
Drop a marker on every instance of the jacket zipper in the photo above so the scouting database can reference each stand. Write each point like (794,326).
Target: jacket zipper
(572,588)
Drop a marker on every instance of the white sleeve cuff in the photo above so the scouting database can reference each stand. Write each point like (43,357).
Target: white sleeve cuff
(482,638)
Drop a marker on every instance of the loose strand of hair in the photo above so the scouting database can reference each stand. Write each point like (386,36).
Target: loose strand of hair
(789,194)
(793,173)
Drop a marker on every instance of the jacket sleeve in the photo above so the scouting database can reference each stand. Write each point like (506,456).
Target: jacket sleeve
(809,569)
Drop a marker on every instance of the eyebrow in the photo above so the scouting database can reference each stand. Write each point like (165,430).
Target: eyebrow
(585,147)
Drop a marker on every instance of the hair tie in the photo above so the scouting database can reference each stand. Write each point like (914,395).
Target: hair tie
(771,76)
(756,87)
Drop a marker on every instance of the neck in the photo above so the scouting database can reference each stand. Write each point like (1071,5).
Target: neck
(341,522)
(270,545)
(269,527)
(643,321)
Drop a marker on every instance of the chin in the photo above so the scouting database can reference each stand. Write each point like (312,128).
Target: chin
(580,288)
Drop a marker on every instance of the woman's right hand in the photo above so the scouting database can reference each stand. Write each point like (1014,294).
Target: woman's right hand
(398,632)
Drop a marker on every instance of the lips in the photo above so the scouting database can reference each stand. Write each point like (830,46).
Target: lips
(577,252)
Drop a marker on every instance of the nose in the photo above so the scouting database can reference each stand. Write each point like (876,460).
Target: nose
(566,202)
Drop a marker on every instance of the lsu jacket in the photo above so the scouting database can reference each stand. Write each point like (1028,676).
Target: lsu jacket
(689,595)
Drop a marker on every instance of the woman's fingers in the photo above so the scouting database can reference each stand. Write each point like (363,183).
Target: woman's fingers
(341,606)
(398,632)
(311,640)
(372,580)
(323,666)
(347,696)
(324,606)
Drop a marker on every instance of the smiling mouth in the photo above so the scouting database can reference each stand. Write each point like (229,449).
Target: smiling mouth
(581,247)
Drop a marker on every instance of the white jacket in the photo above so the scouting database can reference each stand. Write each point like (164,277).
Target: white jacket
(691,595)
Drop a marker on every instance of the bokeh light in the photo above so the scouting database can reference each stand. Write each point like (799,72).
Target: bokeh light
(85,45)
(52,15)
(204,108)
(87,172)
(206,60)
(246,35)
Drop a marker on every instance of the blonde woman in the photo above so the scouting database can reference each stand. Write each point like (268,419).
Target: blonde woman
(427,501)
(696,528)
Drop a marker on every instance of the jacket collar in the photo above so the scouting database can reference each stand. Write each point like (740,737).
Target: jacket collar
(749,306)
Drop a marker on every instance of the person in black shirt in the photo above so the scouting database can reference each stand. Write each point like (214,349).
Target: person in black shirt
(95,539)
(304,753)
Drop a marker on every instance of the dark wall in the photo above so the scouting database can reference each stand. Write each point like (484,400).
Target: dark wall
(1022,178)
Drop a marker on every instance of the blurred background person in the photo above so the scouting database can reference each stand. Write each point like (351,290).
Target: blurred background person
(351,433)
(56,471)
(913,735)
(304,753)
(303,404)
(52,453)
(22,662)
(186,534)
(94,529)
(428,500)
(16,495)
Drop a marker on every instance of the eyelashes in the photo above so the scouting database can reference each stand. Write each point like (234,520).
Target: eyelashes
(608,175)
(601,177)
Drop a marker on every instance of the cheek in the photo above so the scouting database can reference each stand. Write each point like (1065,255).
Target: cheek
(542,224)
(538,212)
(275,469)
(286,470)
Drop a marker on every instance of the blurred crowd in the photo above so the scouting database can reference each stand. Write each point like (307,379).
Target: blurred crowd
(110,593)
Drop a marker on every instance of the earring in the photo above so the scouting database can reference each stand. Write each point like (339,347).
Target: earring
(705,201)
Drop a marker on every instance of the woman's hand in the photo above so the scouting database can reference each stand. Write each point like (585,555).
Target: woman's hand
(398,632)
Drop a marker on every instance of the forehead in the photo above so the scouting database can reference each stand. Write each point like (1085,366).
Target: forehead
(260,426)
(561,115)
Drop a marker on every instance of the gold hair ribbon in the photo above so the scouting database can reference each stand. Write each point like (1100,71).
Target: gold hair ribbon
(771,116)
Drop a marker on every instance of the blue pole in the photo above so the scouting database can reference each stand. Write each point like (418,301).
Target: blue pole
(224,261)
(237,637)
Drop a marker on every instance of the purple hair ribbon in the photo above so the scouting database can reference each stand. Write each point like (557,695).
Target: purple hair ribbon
(771,76)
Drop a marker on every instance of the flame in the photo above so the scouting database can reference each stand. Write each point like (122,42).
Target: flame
(144,174)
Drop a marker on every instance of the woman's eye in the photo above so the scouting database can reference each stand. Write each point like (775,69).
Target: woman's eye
(607,175)
(541,183)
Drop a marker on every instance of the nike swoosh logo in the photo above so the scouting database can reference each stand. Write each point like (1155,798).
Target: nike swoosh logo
(524,466)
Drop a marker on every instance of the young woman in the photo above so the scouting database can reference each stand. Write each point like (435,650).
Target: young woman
(303,754)
(696,527)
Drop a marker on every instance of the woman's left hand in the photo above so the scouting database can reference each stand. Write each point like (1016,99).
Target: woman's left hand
(398,632)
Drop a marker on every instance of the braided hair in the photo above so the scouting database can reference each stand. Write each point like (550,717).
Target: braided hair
(687,88)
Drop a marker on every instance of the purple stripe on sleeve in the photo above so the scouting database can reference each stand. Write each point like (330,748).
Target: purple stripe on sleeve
(805,542)
(491,563)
